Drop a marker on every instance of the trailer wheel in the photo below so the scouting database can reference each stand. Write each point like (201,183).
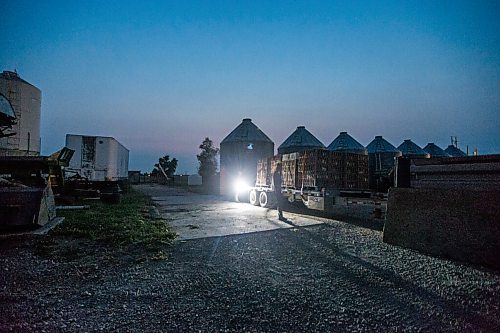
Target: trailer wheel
(241,197)
(254,197)
(266,199)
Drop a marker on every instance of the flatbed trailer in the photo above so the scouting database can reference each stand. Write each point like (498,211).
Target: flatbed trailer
(314,177)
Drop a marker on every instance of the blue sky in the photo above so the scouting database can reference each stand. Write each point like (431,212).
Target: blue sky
(159,76)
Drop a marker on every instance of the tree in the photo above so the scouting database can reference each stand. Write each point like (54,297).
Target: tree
(168,166)
(207,159)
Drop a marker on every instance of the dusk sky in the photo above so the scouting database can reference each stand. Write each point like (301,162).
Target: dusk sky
(160,76)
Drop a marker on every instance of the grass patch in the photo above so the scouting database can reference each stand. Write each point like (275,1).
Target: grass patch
(126,223)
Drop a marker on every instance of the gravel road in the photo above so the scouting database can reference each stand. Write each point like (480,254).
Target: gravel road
(325,277)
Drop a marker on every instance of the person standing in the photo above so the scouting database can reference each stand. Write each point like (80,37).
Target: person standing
(277,191)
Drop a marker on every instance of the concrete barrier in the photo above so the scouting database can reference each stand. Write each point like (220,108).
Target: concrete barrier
(460,224)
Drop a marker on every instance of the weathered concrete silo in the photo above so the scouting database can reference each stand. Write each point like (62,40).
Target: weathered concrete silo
(300,140)
(25,100)
(239,153)
(411,150)
(6,110)
(7,117)
(381,161)
(435,151)
(454,151)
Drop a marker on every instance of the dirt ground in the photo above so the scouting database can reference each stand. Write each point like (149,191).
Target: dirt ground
(235,267)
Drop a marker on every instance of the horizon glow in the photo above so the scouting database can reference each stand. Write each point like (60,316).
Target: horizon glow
(161,76)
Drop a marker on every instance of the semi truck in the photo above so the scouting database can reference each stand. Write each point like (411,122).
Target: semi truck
(314,177)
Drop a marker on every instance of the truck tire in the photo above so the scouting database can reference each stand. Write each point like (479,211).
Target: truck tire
(266,199)
(241,197)
(254,197)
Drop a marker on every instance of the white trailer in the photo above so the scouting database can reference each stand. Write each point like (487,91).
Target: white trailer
(97,158)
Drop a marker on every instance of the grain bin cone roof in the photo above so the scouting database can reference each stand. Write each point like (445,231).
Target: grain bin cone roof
(346,143)
(246,132)
(409,148)
(301,139)
(435,151)
(454,151)
(380,145)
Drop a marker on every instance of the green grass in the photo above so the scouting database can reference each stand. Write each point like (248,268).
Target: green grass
(126,223)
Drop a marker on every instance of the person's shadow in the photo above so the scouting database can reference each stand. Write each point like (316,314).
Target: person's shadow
(283,219)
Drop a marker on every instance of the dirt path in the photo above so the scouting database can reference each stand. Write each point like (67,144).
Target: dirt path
(328,277)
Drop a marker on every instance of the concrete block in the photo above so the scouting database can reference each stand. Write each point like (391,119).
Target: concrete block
(460,224)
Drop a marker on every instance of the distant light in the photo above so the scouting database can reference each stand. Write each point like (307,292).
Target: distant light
(250,146)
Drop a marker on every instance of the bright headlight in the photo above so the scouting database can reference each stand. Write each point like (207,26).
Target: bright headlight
(241,186)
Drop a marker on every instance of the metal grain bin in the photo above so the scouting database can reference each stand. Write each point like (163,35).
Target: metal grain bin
(435,151)
(300,140)
(239,153)
(25,100)
(381,161)
(350,161)
(346,143)
(411,150)
(454,151)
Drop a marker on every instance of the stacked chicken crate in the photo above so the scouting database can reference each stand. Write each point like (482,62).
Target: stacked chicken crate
(317,169)
(314,169)
(265,169)
(321,168)
(264,172)
(352,171)
(289,170)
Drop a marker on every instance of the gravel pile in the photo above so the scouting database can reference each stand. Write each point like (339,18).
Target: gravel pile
(334,277)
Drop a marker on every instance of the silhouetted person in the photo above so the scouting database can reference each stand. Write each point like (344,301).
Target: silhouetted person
(277,191)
